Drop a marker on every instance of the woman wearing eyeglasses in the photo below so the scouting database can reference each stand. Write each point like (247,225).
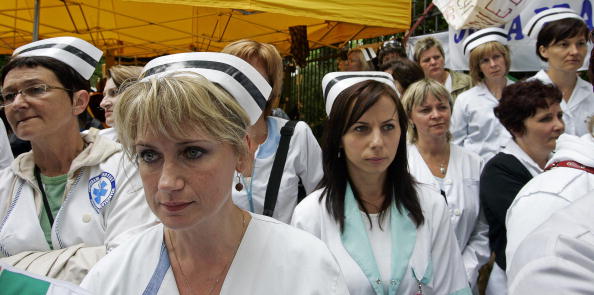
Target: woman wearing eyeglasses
(119,78)
(73,197)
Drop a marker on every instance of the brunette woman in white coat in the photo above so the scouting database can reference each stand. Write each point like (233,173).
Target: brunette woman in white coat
(74,196)
(389,234)
(454,171)
(531,113)
(561,40)
(474,125)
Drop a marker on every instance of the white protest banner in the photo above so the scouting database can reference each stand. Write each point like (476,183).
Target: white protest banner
(479,13)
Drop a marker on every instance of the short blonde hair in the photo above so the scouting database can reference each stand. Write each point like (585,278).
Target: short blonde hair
(416,94)
(176,105)
(478,53)
(265,53)
(124,74)
(424,45)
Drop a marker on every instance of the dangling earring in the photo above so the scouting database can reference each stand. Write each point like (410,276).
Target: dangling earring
(339,153)
(238,185)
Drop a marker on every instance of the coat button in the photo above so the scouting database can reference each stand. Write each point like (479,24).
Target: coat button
(457,212)
(448,181)
(86,218)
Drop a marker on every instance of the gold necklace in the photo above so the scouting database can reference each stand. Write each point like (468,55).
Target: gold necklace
(217,281)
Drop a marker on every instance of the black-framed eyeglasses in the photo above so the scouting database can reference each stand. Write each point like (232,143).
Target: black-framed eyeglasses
(33,91)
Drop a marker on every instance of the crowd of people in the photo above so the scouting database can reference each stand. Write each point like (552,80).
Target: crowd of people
(424,181)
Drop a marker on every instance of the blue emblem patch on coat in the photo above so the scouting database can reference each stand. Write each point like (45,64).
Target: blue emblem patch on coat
(101,189)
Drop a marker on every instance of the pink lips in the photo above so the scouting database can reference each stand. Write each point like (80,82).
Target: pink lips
(25,119)
(376,160)
(175,206)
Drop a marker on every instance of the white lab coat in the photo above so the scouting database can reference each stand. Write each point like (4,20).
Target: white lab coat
(558,256)
(550,191)
(99,173)
(474,125)
(580,107)
(304,160)
(110,133)
(462,192)
(5,151)
(273,258)
(435,259)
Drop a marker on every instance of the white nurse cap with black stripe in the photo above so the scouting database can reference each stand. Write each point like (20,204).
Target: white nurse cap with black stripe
(336,82)
(483,36)
(249,88)
(81,55)
(536,23)
(368,53)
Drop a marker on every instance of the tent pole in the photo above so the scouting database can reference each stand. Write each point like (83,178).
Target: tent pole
(36,22)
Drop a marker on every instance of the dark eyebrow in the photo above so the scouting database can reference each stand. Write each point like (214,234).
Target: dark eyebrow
(28,82)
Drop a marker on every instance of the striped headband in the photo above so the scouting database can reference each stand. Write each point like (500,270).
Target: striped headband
(249,88)
(368,53)
(336,82)
(483,36)
(80,55)
(538,21)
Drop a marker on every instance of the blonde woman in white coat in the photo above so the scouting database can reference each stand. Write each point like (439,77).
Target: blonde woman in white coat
(389,234)
(451,169)
(474,125)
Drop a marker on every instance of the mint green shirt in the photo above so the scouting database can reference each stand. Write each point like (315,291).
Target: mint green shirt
(54,190)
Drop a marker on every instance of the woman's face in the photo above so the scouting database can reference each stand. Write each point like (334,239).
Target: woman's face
(432,63)
(543,129)
(110,97)
(355,61)
(46,114)
(432,117)
(493,65)
(370,144)
(566,55)
(186,181)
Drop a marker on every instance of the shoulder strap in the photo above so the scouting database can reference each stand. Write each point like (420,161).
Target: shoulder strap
(276,173)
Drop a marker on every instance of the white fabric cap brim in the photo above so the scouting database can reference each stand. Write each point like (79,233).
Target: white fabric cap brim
(336,82)
(82,56)
(536,23)
(247,86)
(484,36)
(368,53)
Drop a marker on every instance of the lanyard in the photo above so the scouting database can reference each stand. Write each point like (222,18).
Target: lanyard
(46,205)
(249,190)
(571,164)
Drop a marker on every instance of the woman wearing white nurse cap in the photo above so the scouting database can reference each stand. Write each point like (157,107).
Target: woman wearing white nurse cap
(336,82)
(483,36)
(562,42)
(235,75)
(81,55)
(536,23)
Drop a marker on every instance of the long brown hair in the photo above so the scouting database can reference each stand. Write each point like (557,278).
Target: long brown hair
(348,107)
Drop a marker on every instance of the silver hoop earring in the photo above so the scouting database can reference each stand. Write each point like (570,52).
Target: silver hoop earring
(238,185)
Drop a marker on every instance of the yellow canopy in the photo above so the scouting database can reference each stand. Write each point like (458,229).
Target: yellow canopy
(144,28)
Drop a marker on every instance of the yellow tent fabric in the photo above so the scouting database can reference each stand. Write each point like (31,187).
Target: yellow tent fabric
(147,29)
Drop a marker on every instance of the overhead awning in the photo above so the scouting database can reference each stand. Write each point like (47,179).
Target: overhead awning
(145,28)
